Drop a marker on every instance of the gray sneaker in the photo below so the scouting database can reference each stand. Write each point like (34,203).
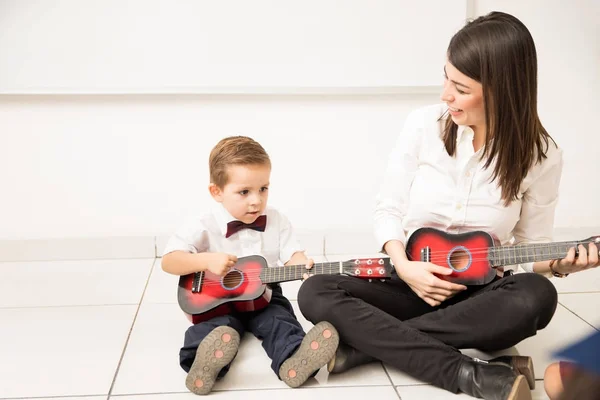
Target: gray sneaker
(215,351)
(317,348)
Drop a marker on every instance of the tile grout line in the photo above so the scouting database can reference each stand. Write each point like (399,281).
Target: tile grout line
(307,388)
(578,316)
(391,381)
(137,311)
(68,396)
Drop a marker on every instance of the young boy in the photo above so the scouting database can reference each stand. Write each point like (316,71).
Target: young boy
(240,170)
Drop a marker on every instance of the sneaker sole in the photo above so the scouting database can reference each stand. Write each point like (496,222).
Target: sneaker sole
(215,351)
(520,390)
(317,349)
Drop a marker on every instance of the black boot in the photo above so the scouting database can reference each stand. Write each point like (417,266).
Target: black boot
(347,357)
(492,381)
(522,365)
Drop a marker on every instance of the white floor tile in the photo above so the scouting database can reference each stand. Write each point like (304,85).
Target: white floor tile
(61,351)
(69,283)
(303,393)
(434,393)
(564,328)
(99,397)
(151,361)
(162,286)
(585,305)
(428,392)
(161,327)
(290,289)
(251,369)
(584,281)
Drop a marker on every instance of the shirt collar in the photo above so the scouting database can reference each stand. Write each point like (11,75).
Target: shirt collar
(464,133)
(222,216)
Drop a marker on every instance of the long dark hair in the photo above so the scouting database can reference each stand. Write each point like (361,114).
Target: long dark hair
(497,50)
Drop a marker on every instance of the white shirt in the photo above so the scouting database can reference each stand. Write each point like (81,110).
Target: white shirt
(424,186)
(207,234)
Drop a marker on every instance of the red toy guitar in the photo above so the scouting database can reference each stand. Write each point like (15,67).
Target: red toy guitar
(204,295)
(474,256)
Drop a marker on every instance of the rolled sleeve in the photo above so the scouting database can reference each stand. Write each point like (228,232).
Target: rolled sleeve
(192,237)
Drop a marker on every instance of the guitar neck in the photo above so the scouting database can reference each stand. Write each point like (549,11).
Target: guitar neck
(295,272)
(531,252)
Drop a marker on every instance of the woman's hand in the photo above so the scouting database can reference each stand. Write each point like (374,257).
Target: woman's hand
(587,258)
(420,277)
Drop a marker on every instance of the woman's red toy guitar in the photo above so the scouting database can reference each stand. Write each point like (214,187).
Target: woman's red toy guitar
(474,256)
(204,295)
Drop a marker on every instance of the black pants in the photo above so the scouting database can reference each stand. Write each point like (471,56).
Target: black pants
(388,321)
(276,325)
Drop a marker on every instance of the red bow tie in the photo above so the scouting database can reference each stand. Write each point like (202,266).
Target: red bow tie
(258,225)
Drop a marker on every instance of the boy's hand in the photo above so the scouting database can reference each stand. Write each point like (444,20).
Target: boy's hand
(309,265)
(221,263)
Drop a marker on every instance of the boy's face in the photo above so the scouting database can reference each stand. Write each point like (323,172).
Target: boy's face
(246,192)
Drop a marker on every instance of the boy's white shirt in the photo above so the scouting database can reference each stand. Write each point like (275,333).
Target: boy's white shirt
(206,233)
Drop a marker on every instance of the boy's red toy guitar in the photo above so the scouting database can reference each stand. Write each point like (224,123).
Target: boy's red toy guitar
(474,256)
(204,295)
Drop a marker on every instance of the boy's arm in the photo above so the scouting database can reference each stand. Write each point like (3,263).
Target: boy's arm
(182,263)
(298,258)
(187,252)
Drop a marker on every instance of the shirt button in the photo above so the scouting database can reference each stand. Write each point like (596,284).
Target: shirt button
(458,206)
(468,174)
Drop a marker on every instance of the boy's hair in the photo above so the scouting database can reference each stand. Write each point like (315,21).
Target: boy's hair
(234,150)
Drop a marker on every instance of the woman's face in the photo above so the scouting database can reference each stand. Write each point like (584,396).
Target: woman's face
(464,97)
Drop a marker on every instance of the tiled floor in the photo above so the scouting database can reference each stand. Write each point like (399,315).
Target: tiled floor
(112,329)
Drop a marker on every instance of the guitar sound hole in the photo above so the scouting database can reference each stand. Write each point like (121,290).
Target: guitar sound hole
(459,259)
(232,280)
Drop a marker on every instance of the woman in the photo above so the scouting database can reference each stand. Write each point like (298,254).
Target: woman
(483,161)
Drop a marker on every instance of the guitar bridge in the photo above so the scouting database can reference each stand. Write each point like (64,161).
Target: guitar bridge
(197,282)
(426,254)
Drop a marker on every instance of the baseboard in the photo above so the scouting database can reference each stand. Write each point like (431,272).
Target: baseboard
(95,248)
(316,244)
(78,248)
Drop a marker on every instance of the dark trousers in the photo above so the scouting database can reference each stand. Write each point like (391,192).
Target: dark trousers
(388,321)
(276,325)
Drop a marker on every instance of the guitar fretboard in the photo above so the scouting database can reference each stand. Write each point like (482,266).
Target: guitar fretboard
(531,252)
(295,272)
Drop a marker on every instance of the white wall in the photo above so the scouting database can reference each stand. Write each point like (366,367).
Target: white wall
(86,166)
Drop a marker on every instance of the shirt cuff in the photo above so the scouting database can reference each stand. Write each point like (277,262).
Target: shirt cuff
(389,231)
(527,267)
(286,253)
